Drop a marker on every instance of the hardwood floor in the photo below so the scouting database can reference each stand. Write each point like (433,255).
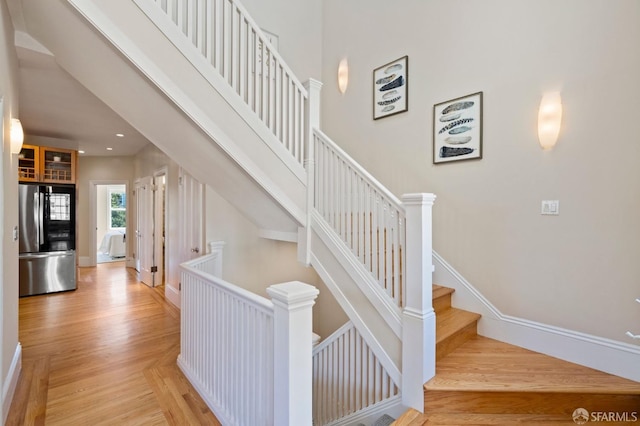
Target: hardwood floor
(104,354)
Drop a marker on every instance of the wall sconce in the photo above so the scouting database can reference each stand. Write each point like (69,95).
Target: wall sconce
(17,136)
(343,75)
(549,119)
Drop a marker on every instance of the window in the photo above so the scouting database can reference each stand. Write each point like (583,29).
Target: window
(117,203)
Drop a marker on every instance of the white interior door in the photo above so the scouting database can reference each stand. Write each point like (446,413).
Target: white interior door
(144,229)
(192,216)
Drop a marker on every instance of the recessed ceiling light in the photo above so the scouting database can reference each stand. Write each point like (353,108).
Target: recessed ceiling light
(80,152)
(120,135)
(109,149)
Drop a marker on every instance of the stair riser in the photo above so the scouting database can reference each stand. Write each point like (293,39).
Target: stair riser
(528,402)
(452,342)
(441,303)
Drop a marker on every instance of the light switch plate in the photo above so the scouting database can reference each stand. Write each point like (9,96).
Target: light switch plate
(550,207)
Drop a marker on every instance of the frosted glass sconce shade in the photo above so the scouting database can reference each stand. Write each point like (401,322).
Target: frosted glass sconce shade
(549,119)
(343,75)
(17,136)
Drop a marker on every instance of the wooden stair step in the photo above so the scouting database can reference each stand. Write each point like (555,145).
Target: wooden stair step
(485,376)
(414,418)
(441,297)
(453,328)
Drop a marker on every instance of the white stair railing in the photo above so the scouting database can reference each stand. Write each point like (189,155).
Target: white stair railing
(369,218)
(222,34)
(392,239)
(247,356)
(225,44)
(347,377)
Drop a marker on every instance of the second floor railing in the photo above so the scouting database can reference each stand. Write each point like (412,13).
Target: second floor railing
(222,34)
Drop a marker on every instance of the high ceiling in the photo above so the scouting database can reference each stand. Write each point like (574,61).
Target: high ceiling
(56,110)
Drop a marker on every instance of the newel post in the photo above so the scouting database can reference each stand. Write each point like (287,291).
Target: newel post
(312,114)
(418,317)
(293,367)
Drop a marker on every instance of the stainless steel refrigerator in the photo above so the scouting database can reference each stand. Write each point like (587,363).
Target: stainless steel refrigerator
(47,238)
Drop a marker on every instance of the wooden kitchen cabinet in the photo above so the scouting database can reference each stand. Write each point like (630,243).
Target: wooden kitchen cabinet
(29,164)
(49,165)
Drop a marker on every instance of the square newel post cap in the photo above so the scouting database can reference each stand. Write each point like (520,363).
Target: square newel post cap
(421,198)
(294,294)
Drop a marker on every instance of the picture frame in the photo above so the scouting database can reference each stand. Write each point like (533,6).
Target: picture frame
(391,88)
(457,129)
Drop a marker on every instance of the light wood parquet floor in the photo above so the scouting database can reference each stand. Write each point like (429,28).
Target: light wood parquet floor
(104,354)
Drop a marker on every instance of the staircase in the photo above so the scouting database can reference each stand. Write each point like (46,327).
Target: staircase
(230,111)
(482,381)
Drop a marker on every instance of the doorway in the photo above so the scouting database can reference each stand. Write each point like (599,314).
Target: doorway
(111,223)
(151,224)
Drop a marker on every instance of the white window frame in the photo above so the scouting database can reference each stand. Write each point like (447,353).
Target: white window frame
(110,209)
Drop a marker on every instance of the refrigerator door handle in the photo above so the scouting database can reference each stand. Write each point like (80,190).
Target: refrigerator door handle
(40,218)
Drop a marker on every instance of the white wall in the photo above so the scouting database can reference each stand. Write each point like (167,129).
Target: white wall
(101,213)
(8,214)
(578,270)
(256,263)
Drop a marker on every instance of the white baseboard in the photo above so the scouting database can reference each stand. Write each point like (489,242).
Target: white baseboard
(11,381)
(609,356)
(131,262)
(84,261)
(172,294)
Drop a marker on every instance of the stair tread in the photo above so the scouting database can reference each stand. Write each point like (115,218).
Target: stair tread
(486,365)
(450,320)
(439,291)
(412,417)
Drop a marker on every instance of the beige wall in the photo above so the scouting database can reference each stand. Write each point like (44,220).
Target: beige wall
(8,205)
(578,270)
(102,169)
(256,263)
(298,26)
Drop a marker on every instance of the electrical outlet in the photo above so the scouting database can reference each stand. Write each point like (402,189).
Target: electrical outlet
(550,207)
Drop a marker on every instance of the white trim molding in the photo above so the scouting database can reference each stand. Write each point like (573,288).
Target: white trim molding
(173,295)
(11,381)
(610,356)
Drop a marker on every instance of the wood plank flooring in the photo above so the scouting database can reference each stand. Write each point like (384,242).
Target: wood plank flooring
(104,354)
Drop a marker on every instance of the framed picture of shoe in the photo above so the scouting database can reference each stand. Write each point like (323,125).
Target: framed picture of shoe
(457,129)
(390,88)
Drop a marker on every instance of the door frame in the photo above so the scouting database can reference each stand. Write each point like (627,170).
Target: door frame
(162,264)
(93,217)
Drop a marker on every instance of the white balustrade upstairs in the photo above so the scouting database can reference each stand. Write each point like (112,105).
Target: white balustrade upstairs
(223,33)
(369,218)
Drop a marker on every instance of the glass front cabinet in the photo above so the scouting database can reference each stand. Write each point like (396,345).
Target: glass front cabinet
(29,164)
(44,164)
